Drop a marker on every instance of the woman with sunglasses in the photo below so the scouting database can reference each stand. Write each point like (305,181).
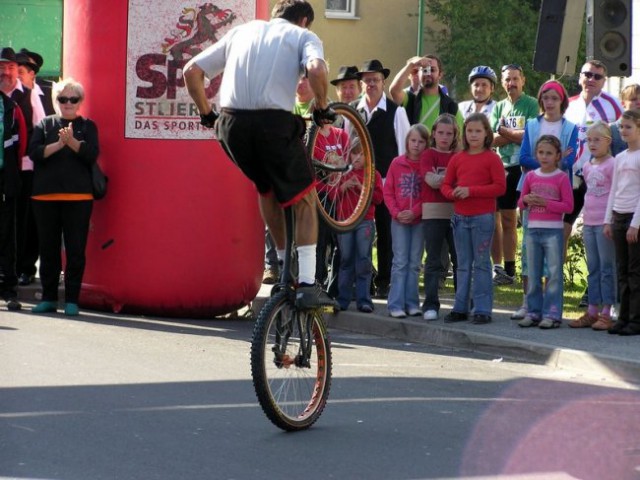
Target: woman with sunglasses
(63,148)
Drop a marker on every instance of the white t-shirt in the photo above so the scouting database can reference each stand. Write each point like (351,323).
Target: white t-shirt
(262,62)
(550,128)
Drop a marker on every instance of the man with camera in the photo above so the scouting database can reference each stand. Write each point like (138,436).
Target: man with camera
(426,105)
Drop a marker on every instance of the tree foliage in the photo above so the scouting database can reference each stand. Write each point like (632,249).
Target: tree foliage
(485,32)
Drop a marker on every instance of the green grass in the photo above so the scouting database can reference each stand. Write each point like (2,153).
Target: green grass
(509,297)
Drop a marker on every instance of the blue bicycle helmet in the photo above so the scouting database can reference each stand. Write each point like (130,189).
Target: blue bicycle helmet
(482,71)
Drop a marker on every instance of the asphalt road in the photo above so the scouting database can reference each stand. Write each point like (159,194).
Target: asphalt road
(115,397)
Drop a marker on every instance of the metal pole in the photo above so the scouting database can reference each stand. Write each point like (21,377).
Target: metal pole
(420,27)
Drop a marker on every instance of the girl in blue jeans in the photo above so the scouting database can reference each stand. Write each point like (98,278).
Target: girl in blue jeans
(355,246)
(474,179)
(547,194)
(403,197)
(601,258)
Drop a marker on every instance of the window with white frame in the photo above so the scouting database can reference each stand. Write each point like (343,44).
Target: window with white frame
(340,8)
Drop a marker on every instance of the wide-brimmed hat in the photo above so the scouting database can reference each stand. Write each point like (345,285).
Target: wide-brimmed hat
(346,73)
(31,59)
(8,55)
(373,66)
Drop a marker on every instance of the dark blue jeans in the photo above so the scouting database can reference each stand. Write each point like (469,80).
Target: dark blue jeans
(356,264)
(436,235)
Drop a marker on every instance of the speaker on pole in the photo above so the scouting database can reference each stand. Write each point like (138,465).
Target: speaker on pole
(558,37)
(609,34)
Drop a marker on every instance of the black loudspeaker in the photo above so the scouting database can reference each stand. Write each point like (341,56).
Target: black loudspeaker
(609,34)
(558,37)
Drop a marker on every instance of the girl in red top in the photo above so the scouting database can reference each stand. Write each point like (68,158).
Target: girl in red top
(355,246)
(436,209)
(474,179)
(403,197)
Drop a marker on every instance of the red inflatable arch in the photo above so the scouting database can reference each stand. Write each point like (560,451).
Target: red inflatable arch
(179,233)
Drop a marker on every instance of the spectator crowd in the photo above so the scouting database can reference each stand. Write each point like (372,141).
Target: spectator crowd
(459,179)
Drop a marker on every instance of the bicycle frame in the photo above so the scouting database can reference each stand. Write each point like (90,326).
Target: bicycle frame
(302,322)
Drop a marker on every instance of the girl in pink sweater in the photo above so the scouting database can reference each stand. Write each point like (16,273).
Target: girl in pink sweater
(403,198)
(547,195)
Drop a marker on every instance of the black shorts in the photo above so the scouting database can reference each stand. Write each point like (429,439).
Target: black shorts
(509,201)
(267,146)
(578,203)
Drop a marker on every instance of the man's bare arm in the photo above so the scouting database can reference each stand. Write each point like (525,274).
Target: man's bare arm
(318,76)
(194,80)
(512,135)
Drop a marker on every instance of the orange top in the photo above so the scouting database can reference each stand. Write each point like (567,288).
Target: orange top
(63,197)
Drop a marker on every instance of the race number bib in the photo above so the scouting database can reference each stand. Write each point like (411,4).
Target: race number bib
(516,122)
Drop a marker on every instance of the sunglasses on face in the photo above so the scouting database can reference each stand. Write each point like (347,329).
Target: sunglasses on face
(590,75)
(511,66)
(64,100)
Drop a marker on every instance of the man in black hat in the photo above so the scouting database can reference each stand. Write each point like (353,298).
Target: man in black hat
(388,126)
(347,84)
(11,85)
(29,65)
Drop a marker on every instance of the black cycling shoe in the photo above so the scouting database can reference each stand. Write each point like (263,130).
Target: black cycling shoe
(309,297)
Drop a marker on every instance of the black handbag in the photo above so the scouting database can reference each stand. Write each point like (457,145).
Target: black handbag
(99,181)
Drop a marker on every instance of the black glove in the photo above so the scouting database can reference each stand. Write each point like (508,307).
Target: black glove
(325,116)
(209,120)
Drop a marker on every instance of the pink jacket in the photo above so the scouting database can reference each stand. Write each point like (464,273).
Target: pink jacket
(403,188)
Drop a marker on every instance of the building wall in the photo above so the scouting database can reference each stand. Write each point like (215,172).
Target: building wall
(37,26)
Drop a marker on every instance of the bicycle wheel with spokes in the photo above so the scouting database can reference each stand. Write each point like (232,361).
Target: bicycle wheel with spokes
(344,168)
(290,363)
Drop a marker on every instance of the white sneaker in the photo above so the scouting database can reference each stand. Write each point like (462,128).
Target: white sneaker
(430,315)
(519,314)
(414,312)
(397,314)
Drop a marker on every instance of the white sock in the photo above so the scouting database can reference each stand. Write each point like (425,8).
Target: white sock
(280,254)
(307,264)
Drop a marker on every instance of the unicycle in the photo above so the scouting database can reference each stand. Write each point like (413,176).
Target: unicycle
(291,359)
